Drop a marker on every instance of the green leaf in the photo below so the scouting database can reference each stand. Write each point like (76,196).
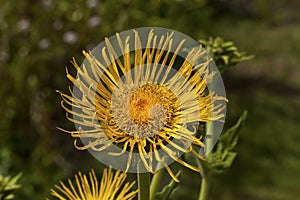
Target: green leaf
(10,196)
(227,44)
(225,59)
(8,185)
(168,190)
(231,48)
(230,138)
(224,154)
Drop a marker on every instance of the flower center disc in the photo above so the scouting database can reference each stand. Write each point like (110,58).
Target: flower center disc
(150,108)
(152,103)
(140,105)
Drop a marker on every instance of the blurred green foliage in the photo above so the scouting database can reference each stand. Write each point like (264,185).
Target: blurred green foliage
(39,38)
(8,185)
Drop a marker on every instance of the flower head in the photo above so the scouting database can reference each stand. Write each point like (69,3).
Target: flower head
(140,103)
(111,187)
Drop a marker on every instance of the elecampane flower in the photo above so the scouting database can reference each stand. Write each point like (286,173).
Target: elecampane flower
(111,187)
(140,103)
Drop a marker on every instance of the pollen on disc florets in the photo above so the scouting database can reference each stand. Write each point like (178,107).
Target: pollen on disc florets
(144,111)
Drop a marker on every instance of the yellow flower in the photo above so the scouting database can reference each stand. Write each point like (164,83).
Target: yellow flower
(139,103)
(111,187)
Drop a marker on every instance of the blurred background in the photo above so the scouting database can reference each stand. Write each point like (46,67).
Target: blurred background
(38,38)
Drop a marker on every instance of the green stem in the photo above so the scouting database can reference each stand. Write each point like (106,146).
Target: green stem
(210,135)
(143,185)
(204,189)
(155,182)
(204,182)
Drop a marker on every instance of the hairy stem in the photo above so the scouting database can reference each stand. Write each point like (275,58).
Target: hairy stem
(204,189)
(143,185)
